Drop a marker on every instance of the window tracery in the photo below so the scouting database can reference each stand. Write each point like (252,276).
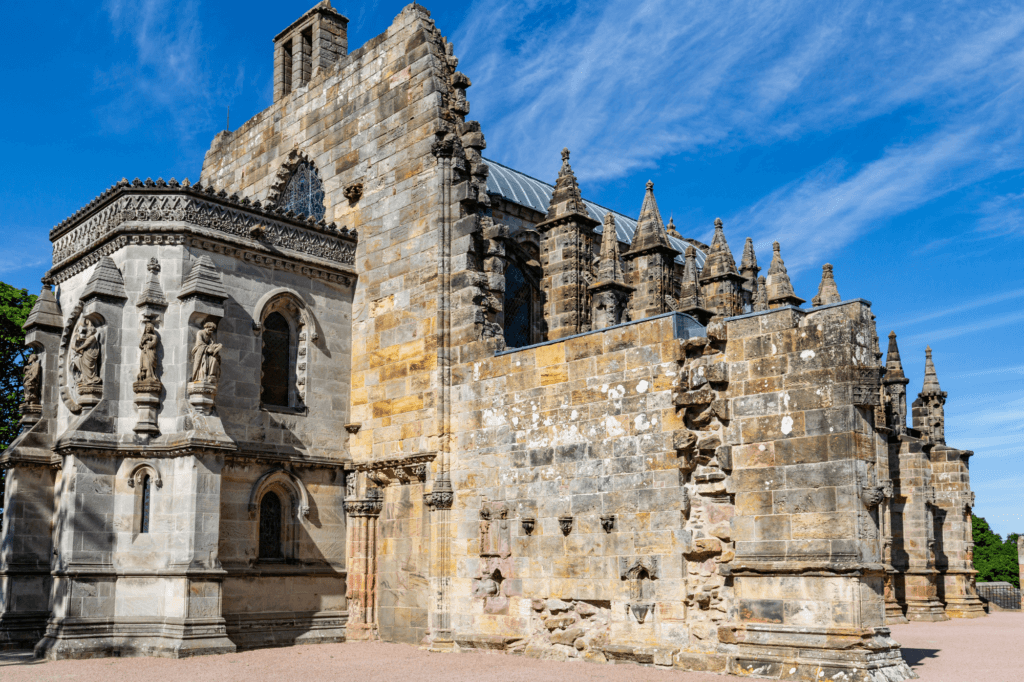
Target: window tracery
(304,192)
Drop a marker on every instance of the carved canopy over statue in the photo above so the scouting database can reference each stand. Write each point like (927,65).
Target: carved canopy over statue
(206,355)
(86,363)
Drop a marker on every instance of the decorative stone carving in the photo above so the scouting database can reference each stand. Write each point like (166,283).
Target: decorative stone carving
(206,355)
(205,368)
(147,386)
(367,507)
(148,374)
(528,523)
(640,572)
(565,524)
(353,193)
(608,522)
(121,207)
(87,362)
(494,531)
(32,380)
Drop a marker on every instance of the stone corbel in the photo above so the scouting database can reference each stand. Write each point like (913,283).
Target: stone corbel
(410,469)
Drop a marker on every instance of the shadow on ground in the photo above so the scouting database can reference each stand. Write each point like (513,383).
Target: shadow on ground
(913,657)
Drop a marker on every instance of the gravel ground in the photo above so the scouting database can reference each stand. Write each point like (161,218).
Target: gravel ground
(989,649)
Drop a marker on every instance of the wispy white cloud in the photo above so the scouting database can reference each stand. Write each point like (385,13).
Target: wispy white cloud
(164,71)
(626,83)
(974,326)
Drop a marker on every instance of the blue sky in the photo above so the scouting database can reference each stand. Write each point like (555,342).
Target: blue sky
(884,138)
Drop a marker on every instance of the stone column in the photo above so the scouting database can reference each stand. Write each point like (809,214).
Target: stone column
(439,503)
(362,571)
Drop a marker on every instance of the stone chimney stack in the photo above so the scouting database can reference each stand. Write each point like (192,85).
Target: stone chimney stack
(314,42)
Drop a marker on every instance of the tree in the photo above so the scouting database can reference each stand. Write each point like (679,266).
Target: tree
(15,305)
(995,560)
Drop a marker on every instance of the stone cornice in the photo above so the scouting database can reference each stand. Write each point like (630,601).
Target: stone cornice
(157,212)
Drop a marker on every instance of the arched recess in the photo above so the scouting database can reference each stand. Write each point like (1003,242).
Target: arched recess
(298,187)
(294,498)
(288,483)
(144,478)
(303,331)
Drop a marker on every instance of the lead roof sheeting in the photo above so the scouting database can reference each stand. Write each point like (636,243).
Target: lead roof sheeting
(521,189)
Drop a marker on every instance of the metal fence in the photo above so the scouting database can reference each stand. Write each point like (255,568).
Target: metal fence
(1003,595)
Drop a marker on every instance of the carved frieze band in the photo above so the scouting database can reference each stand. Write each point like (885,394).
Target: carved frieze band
(182,206)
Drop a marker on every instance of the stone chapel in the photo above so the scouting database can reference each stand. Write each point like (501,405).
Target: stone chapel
(358,381)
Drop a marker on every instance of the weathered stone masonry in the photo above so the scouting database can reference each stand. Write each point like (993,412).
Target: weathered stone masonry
(353,384)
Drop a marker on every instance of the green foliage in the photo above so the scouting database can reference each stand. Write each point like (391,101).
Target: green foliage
(15,305)
(995,560)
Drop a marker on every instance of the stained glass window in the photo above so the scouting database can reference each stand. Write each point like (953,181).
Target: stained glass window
(518,308)
(270,527)
(144,521)
(276,360)
(304,192)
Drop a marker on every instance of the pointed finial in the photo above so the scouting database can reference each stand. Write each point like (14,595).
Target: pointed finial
(827,291)
(893,363)
(931,379)
(650,230)
(565,154)
(718,223)
(780,288)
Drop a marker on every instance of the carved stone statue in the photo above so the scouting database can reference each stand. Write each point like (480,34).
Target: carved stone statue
(147,355)
(206,355)
(86,363)
(33,380)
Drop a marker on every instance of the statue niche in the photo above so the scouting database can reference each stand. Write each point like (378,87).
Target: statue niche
(147,384)
(205,368)
(87,361)
(32,381)
(148,375)
(206,355)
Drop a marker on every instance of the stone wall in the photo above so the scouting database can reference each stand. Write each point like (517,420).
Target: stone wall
(566,448)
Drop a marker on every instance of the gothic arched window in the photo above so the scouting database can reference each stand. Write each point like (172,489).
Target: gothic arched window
(270,527)
(277,360)
(304,192)
(518,308)
(146,503)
